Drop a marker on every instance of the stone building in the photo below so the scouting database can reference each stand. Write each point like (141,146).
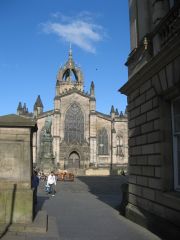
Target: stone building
(74,135)
(153,91)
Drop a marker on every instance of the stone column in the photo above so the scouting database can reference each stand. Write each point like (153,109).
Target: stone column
(160,8)
(114,147)
(140,20)
(113,144)
(56,136)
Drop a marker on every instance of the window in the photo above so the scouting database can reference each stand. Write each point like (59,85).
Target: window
(176,141)
(171,3)
(74,125)
(102,142)
(119,146)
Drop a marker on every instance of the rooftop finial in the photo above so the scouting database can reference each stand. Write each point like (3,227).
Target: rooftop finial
(92,89)
(70,50)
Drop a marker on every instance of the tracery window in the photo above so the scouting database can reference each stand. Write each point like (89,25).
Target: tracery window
(74,125)
(102,142)
(119,146)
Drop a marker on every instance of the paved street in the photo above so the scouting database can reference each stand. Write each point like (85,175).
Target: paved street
(86,210)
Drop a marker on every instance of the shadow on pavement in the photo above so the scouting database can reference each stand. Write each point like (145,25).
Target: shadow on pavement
(40,203)
(107,189)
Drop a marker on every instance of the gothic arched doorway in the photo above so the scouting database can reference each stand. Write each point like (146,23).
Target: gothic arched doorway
(74,160)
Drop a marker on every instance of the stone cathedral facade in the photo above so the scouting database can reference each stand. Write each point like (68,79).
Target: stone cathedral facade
(74,135)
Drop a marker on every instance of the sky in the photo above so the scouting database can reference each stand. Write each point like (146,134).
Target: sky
(35,36)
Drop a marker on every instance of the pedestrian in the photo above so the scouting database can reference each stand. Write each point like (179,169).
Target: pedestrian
(51,181)
(47,188)
(35,184)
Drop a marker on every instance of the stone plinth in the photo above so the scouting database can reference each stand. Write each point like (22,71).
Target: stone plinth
(16,194)
(46,161)
(47,165)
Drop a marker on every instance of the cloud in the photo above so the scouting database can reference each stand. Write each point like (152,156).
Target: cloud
(80,30)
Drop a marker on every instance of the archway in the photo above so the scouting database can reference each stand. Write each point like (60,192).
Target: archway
(73,160)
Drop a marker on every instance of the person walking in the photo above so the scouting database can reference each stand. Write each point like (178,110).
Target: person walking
(51,181)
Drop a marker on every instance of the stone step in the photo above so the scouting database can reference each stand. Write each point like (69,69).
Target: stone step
(39,225)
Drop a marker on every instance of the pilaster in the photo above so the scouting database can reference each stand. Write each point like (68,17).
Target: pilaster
(56,136)
(93,140)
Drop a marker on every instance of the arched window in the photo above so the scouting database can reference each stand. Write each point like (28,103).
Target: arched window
(102,142)
(74,125)
(119,145)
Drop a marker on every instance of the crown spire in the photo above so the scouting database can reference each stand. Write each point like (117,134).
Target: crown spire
(69,76)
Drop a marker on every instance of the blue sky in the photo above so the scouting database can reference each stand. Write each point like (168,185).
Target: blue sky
(34,42)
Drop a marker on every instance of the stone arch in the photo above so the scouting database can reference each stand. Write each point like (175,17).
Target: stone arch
(73,160)
(71,150)
(68,73)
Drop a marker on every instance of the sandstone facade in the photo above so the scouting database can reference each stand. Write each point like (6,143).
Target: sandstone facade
(153,108)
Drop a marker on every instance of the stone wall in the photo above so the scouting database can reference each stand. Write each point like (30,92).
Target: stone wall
(153,84)
(16,194)
(150,147)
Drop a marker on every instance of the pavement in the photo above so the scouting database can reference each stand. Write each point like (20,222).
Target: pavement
(86,209)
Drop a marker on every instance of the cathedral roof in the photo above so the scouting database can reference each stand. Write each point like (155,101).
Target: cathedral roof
(121,118)
(45,114)
(106,116)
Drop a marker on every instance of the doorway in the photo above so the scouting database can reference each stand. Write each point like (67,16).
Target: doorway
(74,160)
